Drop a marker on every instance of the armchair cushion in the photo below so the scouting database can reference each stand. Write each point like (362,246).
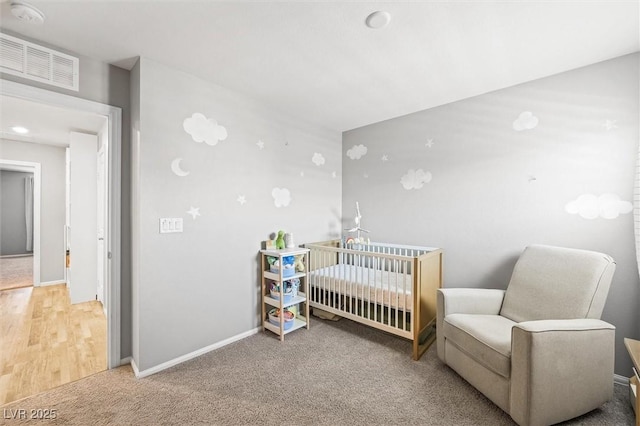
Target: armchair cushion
(486,337)
(481,301)
(558,283)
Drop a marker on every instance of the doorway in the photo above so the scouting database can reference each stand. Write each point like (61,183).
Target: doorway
(20,224)
(111,237)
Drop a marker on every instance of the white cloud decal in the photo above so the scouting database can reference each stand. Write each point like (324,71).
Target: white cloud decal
(606,206)
(525,121)
(281,197)
(357,152)
(203,129)
(415,179)
(317,159)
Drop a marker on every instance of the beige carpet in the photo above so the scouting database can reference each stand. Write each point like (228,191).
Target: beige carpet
(333,374)
(16,272)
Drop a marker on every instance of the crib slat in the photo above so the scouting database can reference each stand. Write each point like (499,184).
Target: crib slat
(375,283)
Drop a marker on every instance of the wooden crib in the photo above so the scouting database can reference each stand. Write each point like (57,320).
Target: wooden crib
(387,286)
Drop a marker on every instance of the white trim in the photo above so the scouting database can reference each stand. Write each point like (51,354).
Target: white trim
(46,283)
(114,114)
(126,361)
(153,370)
(35,168)
(134,367)
(620,380)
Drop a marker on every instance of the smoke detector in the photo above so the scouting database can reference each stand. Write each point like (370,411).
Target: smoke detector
(378,19)
(27,13)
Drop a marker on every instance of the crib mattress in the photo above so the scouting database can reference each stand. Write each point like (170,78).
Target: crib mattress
(373,285)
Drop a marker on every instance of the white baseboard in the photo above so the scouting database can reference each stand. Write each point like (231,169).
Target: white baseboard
(46,283)
(126,361)
(12,256)
(620,380)
(149,371)
(134,366)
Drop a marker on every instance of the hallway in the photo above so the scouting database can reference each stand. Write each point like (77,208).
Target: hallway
(16,271)
(46,341)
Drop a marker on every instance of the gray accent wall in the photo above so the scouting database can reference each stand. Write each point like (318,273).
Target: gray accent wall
(482,180)
(52,201)
(257,171)
(13,227)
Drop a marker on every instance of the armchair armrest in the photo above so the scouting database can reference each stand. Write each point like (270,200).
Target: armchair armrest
(482,301)
(554,361)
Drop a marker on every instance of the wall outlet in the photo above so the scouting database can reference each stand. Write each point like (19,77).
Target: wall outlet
(170,224)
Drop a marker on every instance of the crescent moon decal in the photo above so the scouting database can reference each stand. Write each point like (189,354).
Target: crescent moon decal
(175,168)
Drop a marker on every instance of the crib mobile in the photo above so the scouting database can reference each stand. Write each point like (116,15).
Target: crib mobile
(357,229)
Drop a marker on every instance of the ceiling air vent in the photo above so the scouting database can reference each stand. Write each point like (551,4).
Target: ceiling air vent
(28,60)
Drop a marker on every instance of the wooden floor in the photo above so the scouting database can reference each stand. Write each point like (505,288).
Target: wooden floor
(46,342)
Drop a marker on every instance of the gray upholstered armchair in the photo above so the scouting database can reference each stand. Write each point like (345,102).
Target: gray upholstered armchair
(538,349)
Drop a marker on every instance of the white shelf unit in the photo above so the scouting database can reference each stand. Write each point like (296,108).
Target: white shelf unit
(302,318)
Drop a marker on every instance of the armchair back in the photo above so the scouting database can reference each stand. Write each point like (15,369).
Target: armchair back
(558,283)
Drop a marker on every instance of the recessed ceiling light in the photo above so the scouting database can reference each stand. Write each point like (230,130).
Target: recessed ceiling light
(27,13)
(378,19)
(19,129)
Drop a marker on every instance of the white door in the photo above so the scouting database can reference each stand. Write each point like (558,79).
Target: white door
(83,218)
(102,202)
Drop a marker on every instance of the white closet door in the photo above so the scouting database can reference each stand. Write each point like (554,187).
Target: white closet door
(83,221)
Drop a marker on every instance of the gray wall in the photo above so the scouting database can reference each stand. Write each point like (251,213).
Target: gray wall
(200,287)
(495,189)
(52,199)
(13,228)
(107,84)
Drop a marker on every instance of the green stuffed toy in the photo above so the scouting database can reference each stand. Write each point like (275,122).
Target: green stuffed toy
(280,240)
(298,263)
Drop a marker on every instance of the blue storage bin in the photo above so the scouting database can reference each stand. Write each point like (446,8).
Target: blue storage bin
(287,272)
(274,291)
(274,318)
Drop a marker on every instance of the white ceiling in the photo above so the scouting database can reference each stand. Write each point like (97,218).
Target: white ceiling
(318,61)
(46,124)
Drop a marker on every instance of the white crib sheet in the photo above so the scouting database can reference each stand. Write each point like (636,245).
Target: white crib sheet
(373,285)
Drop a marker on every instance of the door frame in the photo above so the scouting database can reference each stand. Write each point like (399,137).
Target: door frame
(35,168)
(114,116)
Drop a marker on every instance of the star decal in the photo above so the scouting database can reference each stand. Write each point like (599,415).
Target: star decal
(194,212)
(334,175)
(260,144)
(429,143)
(385,158)
(301,174)
(610,124)
(241,199)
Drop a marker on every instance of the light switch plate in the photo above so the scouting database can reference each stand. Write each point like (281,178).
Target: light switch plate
(170,225)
